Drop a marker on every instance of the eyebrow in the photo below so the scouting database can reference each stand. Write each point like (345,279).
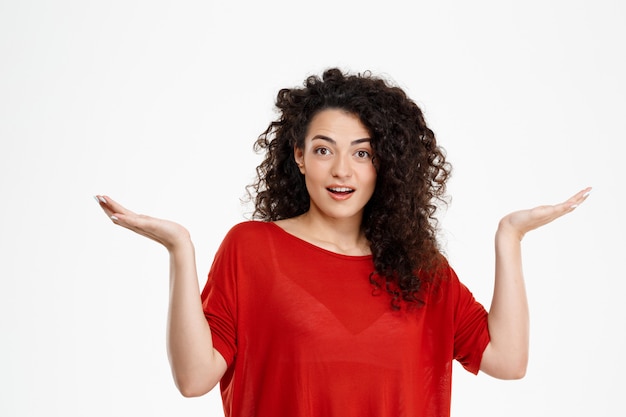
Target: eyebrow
(334,142)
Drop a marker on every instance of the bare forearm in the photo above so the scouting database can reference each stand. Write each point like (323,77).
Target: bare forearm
(196,367)
(506,356)
(508,315)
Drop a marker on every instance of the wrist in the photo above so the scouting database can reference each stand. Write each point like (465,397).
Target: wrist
(180,243)
(507,232)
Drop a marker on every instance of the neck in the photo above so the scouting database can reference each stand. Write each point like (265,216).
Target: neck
(338,235)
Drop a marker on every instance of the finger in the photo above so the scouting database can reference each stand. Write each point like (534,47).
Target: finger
(549,213)
(583,195)
(114,206)
(138,223)
(578,198)
(131,223)
(572,203)
(111,207)
(104,205)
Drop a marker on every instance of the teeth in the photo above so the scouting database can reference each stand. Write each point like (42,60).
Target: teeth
(341,189)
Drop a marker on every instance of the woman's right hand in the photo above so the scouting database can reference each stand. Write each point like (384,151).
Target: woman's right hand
(169,234)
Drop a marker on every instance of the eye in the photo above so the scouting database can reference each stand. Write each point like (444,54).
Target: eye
(323,151)
(363,154)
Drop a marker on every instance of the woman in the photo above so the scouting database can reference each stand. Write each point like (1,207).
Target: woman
(338,301)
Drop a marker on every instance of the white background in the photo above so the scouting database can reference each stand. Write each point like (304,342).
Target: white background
(157,104)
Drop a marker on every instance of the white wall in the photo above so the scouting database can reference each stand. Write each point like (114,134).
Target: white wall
(158,103)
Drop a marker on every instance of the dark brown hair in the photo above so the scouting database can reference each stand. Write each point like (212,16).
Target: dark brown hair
(411,168)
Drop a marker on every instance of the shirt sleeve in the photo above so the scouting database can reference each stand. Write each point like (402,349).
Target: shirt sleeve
(219,300)
(471,335)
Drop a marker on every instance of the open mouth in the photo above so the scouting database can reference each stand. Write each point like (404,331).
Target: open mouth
(340,190)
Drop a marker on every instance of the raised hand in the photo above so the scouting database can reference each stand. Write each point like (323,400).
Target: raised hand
(506,356)
(521,222)
(165,232)
(196,366)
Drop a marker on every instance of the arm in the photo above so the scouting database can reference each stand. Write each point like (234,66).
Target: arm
(196,366)
(506,356)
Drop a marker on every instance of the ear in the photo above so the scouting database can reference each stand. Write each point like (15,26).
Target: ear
(298,156)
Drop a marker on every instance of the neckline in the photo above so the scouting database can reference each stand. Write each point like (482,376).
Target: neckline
(319,248)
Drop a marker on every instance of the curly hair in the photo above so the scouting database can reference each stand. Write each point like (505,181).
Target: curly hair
(399,220)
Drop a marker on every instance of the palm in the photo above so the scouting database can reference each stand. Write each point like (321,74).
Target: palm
(523,221)
(165,232)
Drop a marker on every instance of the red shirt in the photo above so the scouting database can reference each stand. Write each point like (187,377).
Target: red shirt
(303,334)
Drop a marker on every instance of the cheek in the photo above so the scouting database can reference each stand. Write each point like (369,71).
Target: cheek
(372,182)
(315,167)
(370,173)
(313,172)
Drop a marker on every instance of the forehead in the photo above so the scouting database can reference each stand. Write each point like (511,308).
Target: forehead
(338,125)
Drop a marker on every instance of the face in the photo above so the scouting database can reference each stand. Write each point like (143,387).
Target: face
(337,165)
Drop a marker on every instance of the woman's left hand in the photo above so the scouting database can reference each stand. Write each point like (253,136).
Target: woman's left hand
(506,356)
(521,222)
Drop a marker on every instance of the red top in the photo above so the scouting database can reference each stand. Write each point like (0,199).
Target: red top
(303,334)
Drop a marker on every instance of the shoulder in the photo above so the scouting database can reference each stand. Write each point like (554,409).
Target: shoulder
(440,274)
(243,240)
(248,231)
(442,282)
(250,226)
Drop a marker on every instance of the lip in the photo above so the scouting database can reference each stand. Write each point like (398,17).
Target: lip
(342,192)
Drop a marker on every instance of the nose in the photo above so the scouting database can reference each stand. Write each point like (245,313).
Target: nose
(342,167)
